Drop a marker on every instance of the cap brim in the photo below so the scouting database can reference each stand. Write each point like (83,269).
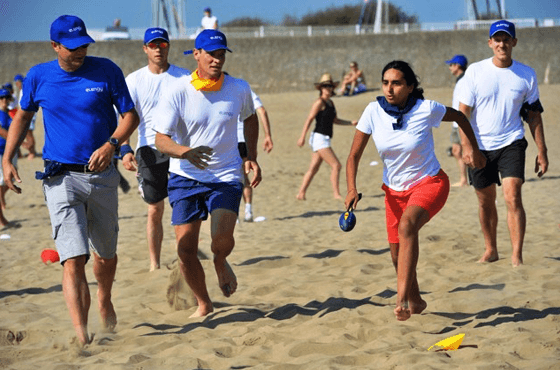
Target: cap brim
(157,38)
(504,31)
(76,43)
(186,52)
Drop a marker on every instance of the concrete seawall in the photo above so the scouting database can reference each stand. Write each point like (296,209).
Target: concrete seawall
(292,64)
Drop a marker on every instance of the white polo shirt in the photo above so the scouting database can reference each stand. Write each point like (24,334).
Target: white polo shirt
(195,118)
(145,90)
(496,96)
(408,154)
(257,103)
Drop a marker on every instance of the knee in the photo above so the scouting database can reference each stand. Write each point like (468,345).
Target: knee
(222,245)
(407,228)
(337,167)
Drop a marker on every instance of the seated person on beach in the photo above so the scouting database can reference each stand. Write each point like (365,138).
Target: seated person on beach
(354,81)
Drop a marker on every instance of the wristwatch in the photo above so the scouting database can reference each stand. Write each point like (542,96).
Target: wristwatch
(114,142)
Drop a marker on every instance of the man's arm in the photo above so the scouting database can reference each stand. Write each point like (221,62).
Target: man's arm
(16,135)
(267,143)
(251,132)
(534,119)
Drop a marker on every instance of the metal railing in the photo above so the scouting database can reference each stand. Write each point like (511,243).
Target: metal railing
(310,31)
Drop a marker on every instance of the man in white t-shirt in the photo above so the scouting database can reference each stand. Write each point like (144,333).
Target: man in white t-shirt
(267,146)
(457,67)
(146,86)
(209,22)
(198,130)
(498,91)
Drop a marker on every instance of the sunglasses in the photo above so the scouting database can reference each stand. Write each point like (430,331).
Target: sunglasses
(79,47)
(154,45)
(328,86)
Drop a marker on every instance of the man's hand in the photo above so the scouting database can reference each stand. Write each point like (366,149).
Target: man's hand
(198,156)
(541,162)
(101,158)
(129,162)
(10,173)
(249,166)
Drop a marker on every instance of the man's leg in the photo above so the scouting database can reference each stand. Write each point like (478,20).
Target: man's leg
(191,268)
(222,226)
(154,230)
(516,218)
(104,271)
(76,294)
(248,199)
(488,215)
(457,151)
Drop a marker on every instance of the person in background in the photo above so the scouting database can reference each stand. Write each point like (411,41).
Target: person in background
(457,67)
(29,142)
(497,92)
(354,82)
(5,122)
(267,146)
(146,87)
(324,113)
(209,22)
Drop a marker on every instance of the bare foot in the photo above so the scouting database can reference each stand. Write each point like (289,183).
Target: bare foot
(300,196)
(516,261)
(337,196)
(226,278)
(402,313)
(31,156)
(108,315)
(489,257)
(154,267)
(417,307)
(202,311)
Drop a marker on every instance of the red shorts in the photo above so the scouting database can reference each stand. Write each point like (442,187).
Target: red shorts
(430,193)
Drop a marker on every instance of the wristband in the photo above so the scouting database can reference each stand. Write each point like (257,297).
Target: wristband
(125,149)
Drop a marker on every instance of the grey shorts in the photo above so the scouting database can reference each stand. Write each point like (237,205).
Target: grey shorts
(83,211)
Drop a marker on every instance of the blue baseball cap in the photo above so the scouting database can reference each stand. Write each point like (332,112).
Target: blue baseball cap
(4,92)
(208,10)
(70,31)
(18,77)
(502,26)
(8,86)
(458,59)
(210,40)
(155,33)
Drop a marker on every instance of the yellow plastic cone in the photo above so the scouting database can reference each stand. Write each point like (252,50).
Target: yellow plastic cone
(451,343)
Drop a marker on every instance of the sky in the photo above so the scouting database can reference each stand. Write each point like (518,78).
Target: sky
(29,20)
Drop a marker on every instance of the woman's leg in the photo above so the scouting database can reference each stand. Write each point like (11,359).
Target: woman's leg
(327,154)
(313,168)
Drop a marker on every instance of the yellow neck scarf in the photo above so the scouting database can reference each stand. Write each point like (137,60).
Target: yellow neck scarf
(206,85)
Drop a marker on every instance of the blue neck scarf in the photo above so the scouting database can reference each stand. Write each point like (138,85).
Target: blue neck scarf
(395,111)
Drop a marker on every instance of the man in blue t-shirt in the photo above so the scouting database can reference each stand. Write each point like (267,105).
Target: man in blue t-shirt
(77,93)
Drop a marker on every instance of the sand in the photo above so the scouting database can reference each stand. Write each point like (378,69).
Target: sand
(310,296)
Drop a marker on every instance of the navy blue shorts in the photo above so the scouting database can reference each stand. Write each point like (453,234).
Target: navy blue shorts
(508,161)
(192,200)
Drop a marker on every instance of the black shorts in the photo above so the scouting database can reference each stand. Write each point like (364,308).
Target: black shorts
(508,161)
(242,147)
(153,171)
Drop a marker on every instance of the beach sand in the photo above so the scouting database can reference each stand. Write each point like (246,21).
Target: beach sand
(310,296)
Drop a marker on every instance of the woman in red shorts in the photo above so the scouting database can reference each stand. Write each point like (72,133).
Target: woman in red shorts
(416,188)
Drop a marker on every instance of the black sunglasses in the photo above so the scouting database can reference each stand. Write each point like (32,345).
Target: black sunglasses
(79,47)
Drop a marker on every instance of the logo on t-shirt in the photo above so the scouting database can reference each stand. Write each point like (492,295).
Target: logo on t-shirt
(94,89)
(229,114)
